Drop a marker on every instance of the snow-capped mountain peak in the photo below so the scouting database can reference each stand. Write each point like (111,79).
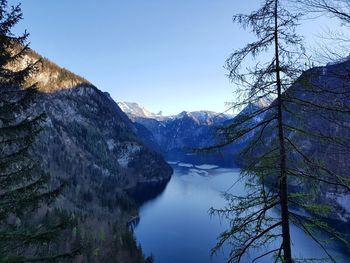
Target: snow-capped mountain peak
(203,117)
(138,111)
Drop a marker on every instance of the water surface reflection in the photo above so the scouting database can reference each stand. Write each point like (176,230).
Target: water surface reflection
(175,226)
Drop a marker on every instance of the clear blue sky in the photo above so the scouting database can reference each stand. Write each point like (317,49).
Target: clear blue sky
(166,55)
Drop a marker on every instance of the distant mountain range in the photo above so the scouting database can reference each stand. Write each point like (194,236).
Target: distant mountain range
(177,133)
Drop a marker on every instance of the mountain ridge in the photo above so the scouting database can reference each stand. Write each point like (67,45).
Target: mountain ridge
(135,110)
(187,131)
(90,143)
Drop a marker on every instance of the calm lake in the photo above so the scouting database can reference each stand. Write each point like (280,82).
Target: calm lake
(175,226)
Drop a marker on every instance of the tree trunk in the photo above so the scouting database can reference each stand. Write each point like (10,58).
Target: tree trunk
(283,187)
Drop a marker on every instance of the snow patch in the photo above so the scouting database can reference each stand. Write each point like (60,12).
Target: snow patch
(198,172)
(138,110)
(170,162)
(207,166)
(189,165)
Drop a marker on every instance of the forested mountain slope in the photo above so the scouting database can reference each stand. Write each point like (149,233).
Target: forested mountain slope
(91,144)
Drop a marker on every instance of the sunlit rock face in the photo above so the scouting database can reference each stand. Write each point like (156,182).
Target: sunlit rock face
(86,138)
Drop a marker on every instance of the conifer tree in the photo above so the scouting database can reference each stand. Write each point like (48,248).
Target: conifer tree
(23,186)
(275,156)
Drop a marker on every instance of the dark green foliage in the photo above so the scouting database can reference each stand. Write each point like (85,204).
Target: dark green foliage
(24,236)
